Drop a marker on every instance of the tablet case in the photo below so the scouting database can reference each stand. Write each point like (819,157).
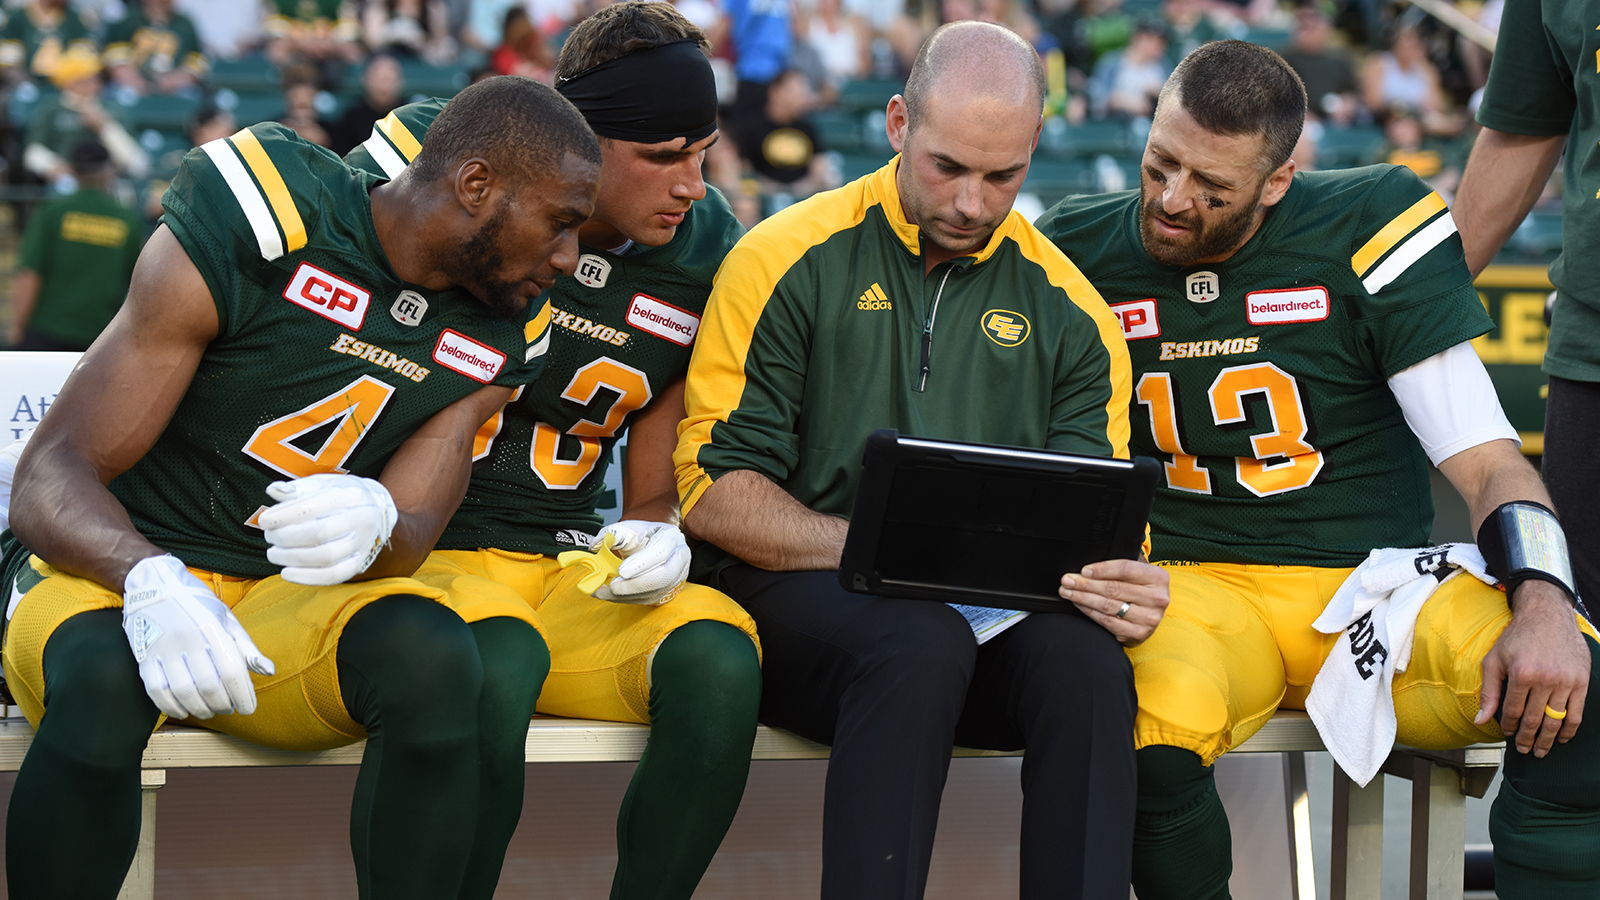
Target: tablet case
(989,525)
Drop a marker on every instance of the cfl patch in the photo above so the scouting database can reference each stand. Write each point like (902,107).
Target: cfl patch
(479,362)
(1138,319)
(328,295)
(592,271)
(663,320)
(409,308)
(1276,307)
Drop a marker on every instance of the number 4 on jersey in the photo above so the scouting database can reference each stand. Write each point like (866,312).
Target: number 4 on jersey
(1282,460)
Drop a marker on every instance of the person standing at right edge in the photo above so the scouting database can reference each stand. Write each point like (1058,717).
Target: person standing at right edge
(915,298)
(1543,96)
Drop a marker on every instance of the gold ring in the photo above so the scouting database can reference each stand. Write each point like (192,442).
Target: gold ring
(1557,714)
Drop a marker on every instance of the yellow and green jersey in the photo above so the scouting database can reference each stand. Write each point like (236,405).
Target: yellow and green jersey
(36,38)
(1261,381)
(621,332)
(325,361)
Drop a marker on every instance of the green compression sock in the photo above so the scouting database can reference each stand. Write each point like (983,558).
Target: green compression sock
(1182,849)
(73,823)
(1545,822)
(515,663)
(410,674)
(705,686)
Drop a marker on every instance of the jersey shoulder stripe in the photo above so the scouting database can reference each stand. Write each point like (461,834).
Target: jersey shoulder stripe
(260,190)
(396,139)
(1407,254)
(400,136)
(537,333)
(1395,231)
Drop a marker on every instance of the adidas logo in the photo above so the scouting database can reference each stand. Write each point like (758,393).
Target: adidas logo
(874,298)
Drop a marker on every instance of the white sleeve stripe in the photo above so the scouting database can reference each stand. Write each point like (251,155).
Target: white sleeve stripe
(538,348)
(1450,404)
(384,155)
(248,195)
(1415,248)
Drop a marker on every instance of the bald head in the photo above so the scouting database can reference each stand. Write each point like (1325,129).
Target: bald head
(974,60)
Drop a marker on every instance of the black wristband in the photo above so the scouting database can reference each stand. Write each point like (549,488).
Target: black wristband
(1522,540)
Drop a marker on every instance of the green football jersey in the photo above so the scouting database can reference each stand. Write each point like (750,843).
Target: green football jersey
(37,39)
(621,332)
(156,48)
(1261,381)
(325,361)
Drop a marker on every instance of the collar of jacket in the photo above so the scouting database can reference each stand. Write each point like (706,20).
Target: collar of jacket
(881,189)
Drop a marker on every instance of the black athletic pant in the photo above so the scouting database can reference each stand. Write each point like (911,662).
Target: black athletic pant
(891,684)
(1571,433)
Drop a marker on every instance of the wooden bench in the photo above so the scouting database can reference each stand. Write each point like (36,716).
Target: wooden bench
(1441,782)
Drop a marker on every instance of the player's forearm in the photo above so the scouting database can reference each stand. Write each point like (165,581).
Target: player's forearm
(1504,177)
(746,514)
(61,511)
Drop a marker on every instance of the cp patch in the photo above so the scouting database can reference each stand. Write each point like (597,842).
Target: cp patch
(1006,328)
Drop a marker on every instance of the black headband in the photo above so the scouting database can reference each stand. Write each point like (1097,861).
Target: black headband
(648,97)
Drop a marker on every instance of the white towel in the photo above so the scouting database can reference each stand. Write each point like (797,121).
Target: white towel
(1377,606)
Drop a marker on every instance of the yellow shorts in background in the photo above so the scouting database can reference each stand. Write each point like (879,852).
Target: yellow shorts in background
(297,626)
(599,651)
(1237,643)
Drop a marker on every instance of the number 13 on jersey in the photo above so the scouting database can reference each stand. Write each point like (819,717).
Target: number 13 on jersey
(1282,461)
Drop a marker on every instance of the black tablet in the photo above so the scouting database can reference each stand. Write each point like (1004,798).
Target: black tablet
(989,525)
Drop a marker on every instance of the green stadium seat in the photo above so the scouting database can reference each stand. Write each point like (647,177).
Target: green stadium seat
(1061,140)
(1267,36)
(246,73)
(1538,237)
(428,80)
(162,112)
(868,94)
(839,130)
(1342,148)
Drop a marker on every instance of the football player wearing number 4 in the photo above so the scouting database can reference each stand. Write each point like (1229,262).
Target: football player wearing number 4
(681,657)
(1299,349)
(257,404)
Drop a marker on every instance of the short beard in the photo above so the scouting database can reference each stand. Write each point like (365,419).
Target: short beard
(1210,241)
(479,258)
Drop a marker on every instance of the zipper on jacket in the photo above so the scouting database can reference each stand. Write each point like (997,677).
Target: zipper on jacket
(927,329)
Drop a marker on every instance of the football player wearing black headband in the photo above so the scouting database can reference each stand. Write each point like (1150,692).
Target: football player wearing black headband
(681,657)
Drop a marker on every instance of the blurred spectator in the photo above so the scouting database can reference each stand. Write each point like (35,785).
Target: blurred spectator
(155,50)
(300,105)
(781,146)
(759,32)
(418,28)
(382,89)
(1326,68)
(1189,24)
(226,29)
(1404,78)
(209,124)
(1125,82)
(323,32)
(37,36)
(484,23)
(841,39)
(1103,26)
(1406,144)
(76,260)
(73,116)
(523,49)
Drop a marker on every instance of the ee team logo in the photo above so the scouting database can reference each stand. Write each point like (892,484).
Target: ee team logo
(1006,328)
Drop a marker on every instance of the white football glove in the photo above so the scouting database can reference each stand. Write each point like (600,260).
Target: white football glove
(655,562)
(327,529)
(8,467)
(194,657)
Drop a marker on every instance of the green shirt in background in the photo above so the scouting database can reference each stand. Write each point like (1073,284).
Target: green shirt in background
(1545,81)
(37,40)
(83,246)
(156,48)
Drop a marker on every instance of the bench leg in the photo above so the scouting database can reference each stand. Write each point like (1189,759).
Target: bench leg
(1297,799)
(1438,832)
(141,881)
(1357,865)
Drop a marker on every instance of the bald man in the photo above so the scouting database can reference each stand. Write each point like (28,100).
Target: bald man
(916,299)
